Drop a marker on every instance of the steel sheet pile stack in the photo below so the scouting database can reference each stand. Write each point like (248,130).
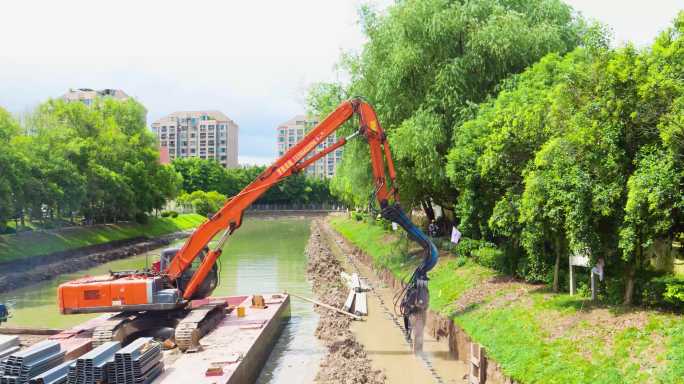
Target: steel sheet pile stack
(94,366)
(24,365)
(138,363)
(57,375)
(8,345)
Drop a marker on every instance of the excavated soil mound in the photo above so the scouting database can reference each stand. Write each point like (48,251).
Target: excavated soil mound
(346,361)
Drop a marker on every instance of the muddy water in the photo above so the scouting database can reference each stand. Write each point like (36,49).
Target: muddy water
(384,340)
(263,256)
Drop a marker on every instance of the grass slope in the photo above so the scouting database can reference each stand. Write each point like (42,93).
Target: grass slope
(537,336)
(36,243)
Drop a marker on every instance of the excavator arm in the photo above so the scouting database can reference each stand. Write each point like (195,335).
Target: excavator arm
(229,217)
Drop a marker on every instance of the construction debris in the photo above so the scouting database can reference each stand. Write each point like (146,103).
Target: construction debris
(356,302)
(22,366)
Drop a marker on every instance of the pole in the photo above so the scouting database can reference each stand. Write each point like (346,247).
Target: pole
(324,305)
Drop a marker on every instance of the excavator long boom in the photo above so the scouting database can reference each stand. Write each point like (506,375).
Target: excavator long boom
(229,217)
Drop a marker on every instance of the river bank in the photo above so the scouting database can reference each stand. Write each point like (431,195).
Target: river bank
(34,245)
(533,335)
(24,272)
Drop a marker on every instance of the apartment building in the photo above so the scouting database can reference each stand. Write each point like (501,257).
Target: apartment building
(202,134)
(293,130)
(87,96)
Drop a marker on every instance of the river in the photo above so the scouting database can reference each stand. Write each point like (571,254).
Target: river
(263,256)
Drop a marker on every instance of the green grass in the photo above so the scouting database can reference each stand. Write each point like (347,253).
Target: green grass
(540,337)
(38,243)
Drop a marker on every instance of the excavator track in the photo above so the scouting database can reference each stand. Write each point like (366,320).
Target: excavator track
(196,324)
(111,329)
(122,326)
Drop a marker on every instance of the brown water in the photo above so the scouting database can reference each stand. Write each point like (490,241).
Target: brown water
(385,343)
(264,255)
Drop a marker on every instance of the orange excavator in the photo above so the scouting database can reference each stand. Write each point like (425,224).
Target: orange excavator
(165,295)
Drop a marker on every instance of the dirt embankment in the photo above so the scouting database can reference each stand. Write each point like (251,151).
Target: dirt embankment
(19,273)
(346,360)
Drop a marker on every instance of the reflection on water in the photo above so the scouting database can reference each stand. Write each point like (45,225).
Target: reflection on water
(263,256)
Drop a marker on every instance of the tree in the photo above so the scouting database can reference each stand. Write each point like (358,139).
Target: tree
(204,203)
(97,161)
(9,177)
(426,64)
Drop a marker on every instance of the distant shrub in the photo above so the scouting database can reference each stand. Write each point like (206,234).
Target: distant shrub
(665,292)
(358,216)
(386,224)
(172,214)
(466,246)
(490,257)
(141,218)
(461,261)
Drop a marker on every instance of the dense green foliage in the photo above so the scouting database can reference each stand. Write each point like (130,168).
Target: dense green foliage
(68,160)
(208,175)
(39,243)
(425,66)
(519,120)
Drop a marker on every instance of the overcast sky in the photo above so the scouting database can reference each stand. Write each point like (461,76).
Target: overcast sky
(253,60)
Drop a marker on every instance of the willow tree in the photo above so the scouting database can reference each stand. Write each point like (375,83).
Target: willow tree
(428,62)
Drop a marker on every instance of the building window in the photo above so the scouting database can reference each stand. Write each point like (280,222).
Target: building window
(163,136)
(223,157)
(223,142)
(192,150)
(223,150)
(163,143)
(211,126)
(172,143)
(163,128)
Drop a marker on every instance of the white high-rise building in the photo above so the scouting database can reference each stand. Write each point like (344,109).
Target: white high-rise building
(203,134)
(293,130)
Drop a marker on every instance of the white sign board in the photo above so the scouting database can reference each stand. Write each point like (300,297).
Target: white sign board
(579,260)
(455,235)
(394,226)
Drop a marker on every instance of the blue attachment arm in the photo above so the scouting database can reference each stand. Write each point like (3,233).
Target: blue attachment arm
(395,214)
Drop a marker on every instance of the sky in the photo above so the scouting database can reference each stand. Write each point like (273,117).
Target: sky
(253,60)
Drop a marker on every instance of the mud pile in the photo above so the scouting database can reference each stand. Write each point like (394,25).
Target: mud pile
(346,360)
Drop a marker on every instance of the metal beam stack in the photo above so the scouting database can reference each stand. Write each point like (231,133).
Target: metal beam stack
(57,375)
(138,363)
(93,367)
(22,366)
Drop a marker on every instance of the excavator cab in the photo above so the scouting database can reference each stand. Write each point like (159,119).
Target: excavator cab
(206,287)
